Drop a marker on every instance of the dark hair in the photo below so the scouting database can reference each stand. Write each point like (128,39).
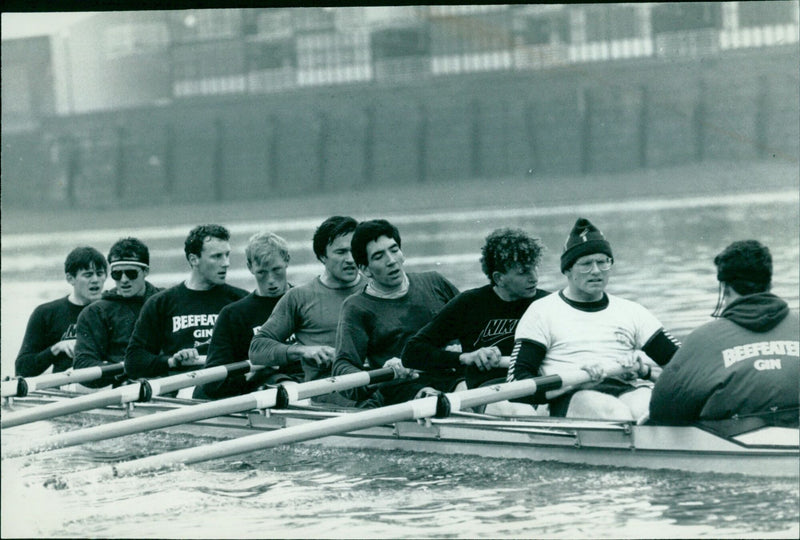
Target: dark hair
(129,249)
(506,247)
(331,229)
(197,236)
(84,258)
(745,265)
(368,231)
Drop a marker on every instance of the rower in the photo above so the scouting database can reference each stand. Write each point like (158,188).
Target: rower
(310,312)
(174,327)
(583,327)
(375,324)
(483,320)
(50,335)
(267,256)
(746,362)
(104,327)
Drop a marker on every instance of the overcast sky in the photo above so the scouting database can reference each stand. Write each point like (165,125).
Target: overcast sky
(17,25)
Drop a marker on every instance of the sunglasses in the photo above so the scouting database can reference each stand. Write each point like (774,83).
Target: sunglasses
(131,274)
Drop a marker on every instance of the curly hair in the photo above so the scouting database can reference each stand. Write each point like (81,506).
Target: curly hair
(197,237)
(745,265)
(506,247)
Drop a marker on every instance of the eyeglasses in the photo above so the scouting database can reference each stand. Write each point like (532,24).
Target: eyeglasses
(131,273)
(586,267)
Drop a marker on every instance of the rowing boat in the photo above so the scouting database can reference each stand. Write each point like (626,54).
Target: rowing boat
(761,451)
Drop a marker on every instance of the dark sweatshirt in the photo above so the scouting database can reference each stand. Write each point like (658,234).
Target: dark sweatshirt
(49,323)
(747,362)
(476,318)
(104,329)
(236,325)
(171,320)
(372,330)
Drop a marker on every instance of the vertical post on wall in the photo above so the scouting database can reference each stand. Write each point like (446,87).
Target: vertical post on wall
(119,179)
(273,128)
(504,112)
(369,144)
(699,123)
(476,165)
(644,125)
(530,129)
(322,148)
(422,143)
(585,108)
(73,146)
(218,160)
(762,118)
(169,160)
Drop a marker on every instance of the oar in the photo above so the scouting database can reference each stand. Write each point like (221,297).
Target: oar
(264,399)
(137,391)
(439,406)
(20,386)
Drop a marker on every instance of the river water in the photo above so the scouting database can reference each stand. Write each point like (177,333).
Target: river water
(663,259)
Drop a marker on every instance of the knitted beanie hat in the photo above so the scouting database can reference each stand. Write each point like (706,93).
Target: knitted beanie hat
(584,239)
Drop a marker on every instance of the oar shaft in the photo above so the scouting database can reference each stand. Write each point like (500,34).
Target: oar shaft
(124,394)
(117,396)
(419,408)
(17,388)
(183,415)
(256,400)
(343,382)
(199,377)
(415,409)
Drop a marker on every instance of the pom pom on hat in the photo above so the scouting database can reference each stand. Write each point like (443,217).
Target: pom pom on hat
(584,239)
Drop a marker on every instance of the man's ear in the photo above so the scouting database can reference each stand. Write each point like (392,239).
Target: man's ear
(70,278)
(365,271)
(192,258)
(145,272)
(497,278)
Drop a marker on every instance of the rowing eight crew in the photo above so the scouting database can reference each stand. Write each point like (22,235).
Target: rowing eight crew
(364,311)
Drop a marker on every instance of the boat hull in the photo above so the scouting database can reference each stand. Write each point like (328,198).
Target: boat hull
(767,451)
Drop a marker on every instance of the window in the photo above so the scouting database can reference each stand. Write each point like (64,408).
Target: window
(263,55)
(202,24)
(606,23)
(135,38)
(688,16)
(545,30)
(400,42)
(766,13)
